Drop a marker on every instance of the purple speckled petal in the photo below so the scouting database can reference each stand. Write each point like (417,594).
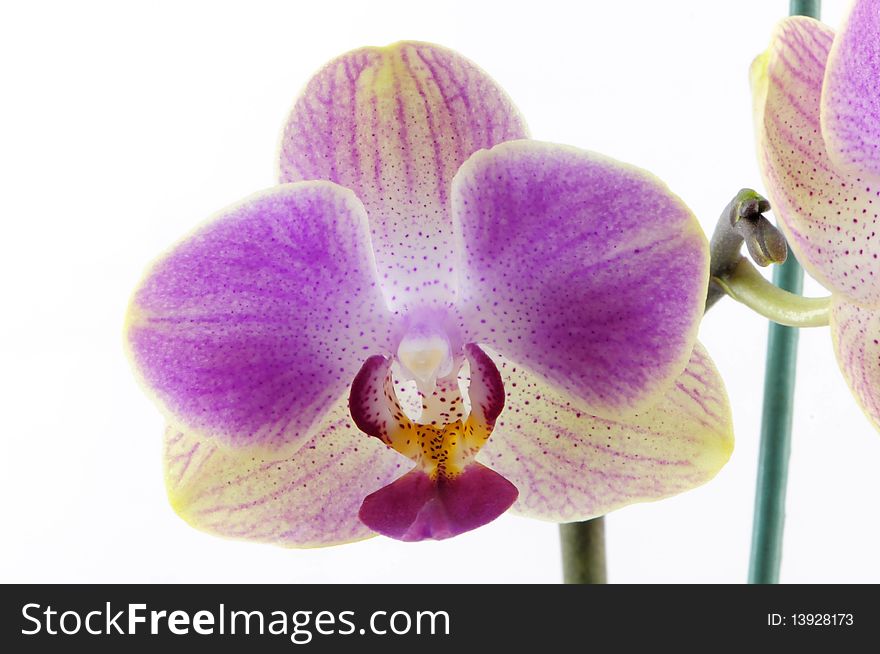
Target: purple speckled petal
(416,507)
(309,499)
(394,124)
(829,217)
(254,326)
(855,332)
(588,271)
(571,466)
(850,99)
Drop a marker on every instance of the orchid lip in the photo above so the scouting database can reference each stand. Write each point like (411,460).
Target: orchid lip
(443,444)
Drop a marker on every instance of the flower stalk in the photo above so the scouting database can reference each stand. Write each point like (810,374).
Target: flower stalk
(743,222)
(776,419)
(775,449)
(747,286)
(583,552)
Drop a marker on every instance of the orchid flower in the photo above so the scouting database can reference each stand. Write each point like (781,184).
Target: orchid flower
(817,108)
(431,320)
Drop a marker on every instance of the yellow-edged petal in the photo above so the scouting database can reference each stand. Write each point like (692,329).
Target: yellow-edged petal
(572,466)
(829,217)
(309,499)
(855,332)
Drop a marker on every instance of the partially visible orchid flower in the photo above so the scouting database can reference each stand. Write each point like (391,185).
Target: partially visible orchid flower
(817,111)
(310,346)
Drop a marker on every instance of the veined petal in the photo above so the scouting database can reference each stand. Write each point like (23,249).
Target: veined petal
(310,499)
(394,124)
(572,466)
(855,332)
(588,271)
(251,328)
(829,217)
(850,99)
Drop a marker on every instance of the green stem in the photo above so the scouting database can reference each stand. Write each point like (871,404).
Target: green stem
(583,552)
(776,420)
(747,286)
(811,8)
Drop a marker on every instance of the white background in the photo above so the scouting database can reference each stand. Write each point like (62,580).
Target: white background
(124,124)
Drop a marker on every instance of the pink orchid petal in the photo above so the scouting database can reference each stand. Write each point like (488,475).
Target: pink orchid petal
(850,100)
(416,507)
(572,466)
(829,217)
(588,271)
(855,332)
(251,328)
(309,499)
(394,124)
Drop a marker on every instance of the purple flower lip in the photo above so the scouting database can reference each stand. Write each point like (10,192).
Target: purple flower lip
(333,354)
(448,492)
(416,507)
